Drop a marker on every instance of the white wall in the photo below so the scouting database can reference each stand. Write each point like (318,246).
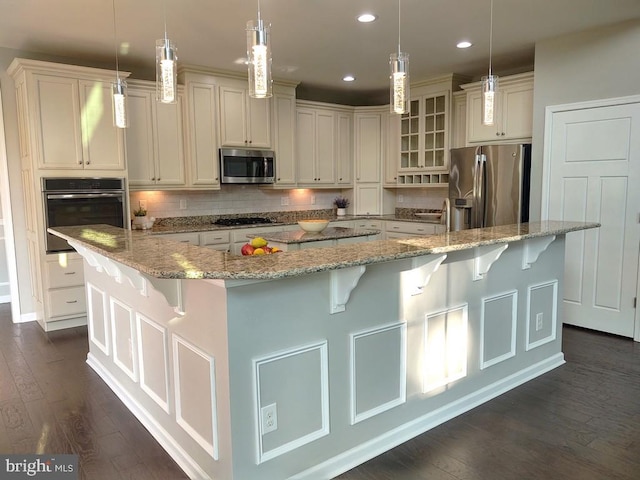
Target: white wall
(590,65)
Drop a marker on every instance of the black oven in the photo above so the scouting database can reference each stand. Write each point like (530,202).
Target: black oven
(81,201)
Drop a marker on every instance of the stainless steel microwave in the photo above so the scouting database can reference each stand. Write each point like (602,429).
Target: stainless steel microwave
(246,166)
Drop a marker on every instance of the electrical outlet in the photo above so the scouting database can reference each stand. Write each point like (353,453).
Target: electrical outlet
(142,204)
(284,201)
(539,321)
(400,199)
(269,418)
(313,199)
(183,204)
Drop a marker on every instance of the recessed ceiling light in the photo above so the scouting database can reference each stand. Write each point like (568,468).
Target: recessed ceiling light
(464,44)
(367,18)
(348,78)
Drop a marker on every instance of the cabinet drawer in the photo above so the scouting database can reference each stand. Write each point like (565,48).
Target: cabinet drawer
(368,224)
(192,238)
(70,275)
(67,301)
(413,228)
(214,238)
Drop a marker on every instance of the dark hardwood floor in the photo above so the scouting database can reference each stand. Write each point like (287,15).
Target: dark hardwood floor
(581,421)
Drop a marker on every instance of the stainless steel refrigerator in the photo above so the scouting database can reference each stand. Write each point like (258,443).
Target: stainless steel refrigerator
(489,185)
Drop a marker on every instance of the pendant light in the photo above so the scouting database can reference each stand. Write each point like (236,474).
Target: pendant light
(489,85)
(166,67)
(120,86)
(399,66)
(259,58)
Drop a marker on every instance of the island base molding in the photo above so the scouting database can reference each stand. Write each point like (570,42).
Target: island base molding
(345,366)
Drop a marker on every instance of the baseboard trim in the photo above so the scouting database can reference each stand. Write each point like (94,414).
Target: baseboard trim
(26,317)
(376,446)
(179,455)
(5,298)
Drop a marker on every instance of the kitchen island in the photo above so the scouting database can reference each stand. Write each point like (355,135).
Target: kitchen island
(304,364)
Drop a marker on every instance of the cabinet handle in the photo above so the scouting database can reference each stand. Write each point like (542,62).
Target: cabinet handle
(69,273)
(502,134)
(79,162)
(88,162)
(159,179)
(153,179)
(72,301)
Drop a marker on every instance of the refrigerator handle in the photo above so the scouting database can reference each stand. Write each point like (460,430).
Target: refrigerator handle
(478,193)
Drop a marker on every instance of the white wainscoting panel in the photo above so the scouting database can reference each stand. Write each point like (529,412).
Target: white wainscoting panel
(123,334)
(195,397)
(378,370)
(153,359)
(297,382)
(542,299)
(498,321)
(98,318)
(445,347)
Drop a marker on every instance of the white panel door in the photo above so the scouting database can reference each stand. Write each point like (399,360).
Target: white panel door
(593,175)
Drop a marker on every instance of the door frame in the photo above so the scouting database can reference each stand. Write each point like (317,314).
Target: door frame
(7,219)
(546,166)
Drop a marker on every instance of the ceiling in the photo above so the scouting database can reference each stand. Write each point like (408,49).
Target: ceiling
(314,42)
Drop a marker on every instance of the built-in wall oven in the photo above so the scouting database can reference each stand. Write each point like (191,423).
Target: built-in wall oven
(81,201)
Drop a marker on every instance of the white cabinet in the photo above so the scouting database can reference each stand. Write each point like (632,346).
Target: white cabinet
(344,149)
(514,116)
(192,237)
(369,139)
(69,116)
(315,147)
(284,115)
(64,288)
(202,159)
(459,120)
(216,240)
(392,157)
(399,229)
(154,139)
(244,121)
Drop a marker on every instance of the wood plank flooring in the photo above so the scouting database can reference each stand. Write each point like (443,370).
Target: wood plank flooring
(580,421)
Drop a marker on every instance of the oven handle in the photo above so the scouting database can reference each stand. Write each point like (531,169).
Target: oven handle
(64,196)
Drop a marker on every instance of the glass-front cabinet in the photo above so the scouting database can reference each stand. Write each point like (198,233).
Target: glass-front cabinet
(424,133)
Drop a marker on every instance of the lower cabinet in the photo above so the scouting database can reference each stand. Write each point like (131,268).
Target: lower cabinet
(395,229)
(65,299)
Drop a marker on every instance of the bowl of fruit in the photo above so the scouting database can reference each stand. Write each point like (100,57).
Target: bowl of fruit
(313,225)
(258,246)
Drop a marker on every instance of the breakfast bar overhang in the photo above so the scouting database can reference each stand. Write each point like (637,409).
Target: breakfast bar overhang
(304,364)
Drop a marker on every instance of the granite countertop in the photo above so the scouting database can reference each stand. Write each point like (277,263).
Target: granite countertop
(300,236)
(162,258)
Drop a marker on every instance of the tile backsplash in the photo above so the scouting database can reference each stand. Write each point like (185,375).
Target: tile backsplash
(238,199)
(231,199)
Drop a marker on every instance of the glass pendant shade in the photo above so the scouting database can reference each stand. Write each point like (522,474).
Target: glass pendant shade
(120,103)
(259,60)
(166,71)
(399,77)
(489,98)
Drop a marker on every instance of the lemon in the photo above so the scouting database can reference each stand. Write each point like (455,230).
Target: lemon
(258,242)
(259,251)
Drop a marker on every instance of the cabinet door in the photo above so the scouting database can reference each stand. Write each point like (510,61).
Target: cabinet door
(325,148)
(259,122)
(103,143)
(139,139)
(392,158)
(368,199)
(476,131)
(517,112)
(233,117)
(169,146)
(203,147)
(305,145)
(344,148)
(368,147)
(284,118)
(57,122)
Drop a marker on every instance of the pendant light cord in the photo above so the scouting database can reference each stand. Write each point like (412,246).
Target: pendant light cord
(399,1)
(164,7)
(490,37)
(115,38)
(259,20)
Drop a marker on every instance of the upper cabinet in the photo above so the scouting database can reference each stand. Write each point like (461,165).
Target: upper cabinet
(424,134)
(154,139)
(514,111)
(323,145)
(66,117)
(244,121)
(284,118)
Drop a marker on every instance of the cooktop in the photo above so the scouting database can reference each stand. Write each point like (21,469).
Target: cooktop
(228,222)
